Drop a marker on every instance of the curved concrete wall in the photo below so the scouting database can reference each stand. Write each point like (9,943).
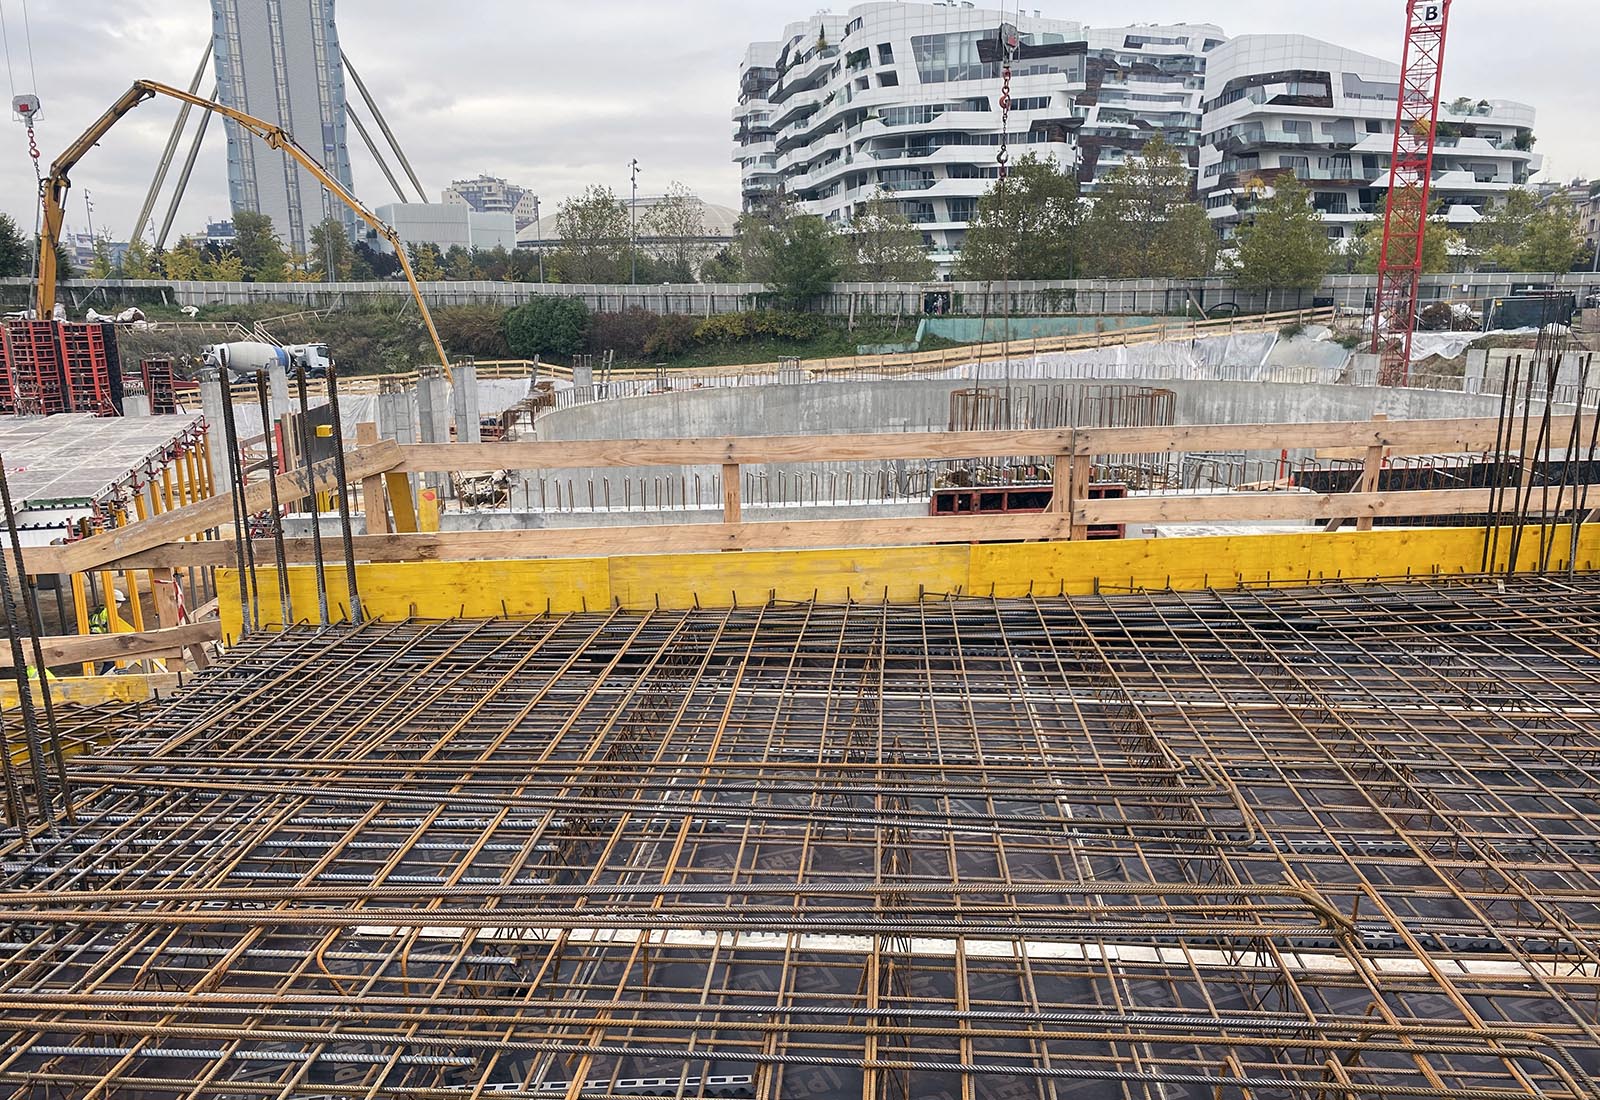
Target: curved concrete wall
(818,408)
(923,405)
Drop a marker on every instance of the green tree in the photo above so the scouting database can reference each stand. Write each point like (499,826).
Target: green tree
(1027,226)
(260,251)
(596,238)
(1440,245)
(459,264)
(1498,238)
(1143,224)
(547,325)
(883,246)
(138,263)
(1553,242)
(1522,235)
(722,267)
(331,252)
(100,267)
(676,229)
(796,256)
(426,263)
(227,266)
(184,261)
(1283,246)
(15,255)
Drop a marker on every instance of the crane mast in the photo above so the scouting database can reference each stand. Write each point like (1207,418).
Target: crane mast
(1405,223)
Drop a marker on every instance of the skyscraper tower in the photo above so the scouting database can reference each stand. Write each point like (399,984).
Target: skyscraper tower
(279,60)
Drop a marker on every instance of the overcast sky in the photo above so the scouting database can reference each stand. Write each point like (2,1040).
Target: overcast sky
(558,95)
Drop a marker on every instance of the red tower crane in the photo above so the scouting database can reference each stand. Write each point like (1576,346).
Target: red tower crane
(1410,177)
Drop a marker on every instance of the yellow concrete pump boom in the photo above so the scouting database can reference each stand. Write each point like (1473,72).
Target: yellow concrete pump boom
(57,184)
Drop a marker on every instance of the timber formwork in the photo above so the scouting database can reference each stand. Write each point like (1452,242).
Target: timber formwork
(1331,842)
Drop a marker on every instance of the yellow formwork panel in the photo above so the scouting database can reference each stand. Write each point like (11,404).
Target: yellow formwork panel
(1185,564)
(832,576)
(92,691)
(437,589)
(430,590)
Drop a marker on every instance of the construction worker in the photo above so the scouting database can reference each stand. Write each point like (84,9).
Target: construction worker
(100,623)
(33,674)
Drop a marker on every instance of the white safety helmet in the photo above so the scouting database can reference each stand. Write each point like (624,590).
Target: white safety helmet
(121,596)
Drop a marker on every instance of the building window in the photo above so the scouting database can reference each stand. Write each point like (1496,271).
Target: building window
(963,209)
(885,53)
(943,57)
(888,80)
(1374,126)
(1300,166)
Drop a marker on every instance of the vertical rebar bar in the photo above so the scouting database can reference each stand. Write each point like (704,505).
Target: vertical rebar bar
(345,534)
(286,607)
(241,519)
(30,596)
(316,507)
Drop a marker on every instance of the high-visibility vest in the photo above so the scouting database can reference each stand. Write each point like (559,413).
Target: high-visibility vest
(100,621)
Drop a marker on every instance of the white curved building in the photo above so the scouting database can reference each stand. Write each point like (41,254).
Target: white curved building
(1278,103)
(894,97)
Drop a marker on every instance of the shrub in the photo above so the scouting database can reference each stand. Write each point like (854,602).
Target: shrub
(787,326)
(547,326)
(723,328)
(478,330)
(674,335)
(627,333)
(1289,332)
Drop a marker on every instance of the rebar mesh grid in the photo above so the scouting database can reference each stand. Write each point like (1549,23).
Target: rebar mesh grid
(1330,842)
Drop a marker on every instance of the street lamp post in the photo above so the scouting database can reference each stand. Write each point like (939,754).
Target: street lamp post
(538,236)
(633,222)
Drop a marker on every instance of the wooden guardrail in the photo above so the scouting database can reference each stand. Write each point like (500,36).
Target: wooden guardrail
(157,543)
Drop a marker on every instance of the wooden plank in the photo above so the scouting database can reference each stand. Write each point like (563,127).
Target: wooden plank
(1222,507)
(405,509)
(83,648)
(1078,492)
(742,450)
(217,511)
(90,691)
(811,534)
(732,511)
(1371,467)
(166,597)
(373,507)
(1399,436)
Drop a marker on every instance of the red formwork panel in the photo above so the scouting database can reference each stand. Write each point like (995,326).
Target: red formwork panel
(86,364)
(35,382)
(157,375)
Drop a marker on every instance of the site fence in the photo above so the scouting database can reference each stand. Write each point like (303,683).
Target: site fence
(1170,297)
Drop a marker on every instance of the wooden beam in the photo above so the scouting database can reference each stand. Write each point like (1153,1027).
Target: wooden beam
(1224,507)
(732,511)
(1371,468)
(813,534)
(373,507)
(405,509)
(1398,436)
(85,648)
(217,511)
(91,691)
